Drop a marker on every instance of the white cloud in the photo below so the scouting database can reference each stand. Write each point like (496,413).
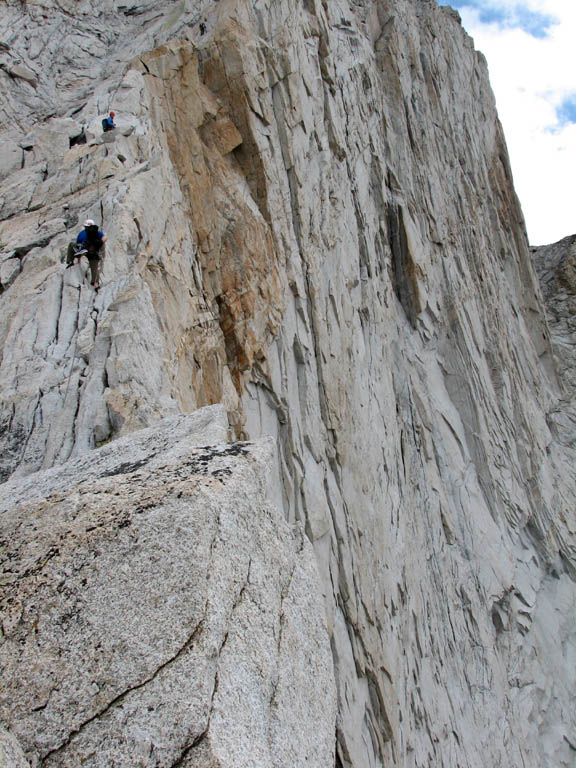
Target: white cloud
(531,78)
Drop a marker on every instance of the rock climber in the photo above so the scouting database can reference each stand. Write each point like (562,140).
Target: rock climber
(90,241)
(203,27)
(108,123)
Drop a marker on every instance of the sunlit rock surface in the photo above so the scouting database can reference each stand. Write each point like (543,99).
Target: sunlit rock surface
(311,221)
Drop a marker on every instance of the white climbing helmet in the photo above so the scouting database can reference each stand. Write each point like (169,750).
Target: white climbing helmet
(89,223)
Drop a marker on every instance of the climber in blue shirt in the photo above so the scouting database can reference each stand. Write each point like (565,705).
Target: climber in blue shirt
(90,242)
(108,123)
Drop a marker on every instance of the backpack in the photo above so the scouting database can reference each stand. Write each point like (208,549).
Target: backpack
(93,242)
(105,124)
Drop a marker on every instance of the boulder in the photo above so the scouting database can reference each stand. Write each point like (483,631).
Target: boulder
(157,609)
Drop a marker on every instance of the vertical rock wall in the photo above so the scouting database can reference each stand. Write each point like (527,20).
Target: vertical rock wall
(312,220)
(409,386)
(190,290)
(556,268)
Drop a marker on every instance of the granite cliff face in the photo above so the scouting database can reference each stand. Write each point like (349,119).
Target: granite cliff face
(312,228)
(171,610)
(556,267)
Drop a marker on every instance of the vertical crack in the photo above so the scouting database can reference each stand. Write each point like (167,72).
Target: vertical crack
(60,303)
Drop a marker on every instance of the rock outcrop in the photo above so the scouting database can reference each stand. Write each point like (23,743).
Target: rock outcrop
(311,221)
(157,611)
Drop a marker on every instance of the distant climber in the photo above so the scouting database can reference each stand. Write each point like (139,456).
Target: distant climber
(108,123)
(203,27)
(90,242)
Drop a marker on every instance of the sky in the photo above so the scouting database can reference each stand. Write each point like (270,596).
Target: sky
(530,46)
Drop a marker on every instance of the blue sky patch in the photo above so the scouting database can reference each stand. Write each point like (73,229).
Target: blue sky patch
(566,112)
(515,17)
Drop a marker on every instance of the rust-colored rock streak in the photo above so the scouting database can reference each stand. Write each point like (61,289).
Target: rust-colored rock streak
(240,281)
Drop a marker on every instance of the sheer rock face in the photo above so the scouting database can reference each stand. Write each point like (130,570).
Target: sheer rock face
(556,268)
(311,220)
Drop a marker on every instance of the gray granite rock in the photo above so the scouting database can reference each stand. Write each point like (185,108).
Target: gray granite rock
(311,221)
(156,610)
(11,755)
(556,267)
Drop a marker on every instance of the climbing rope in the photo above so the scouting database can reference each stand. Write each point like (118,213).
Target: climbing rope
(69,373)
